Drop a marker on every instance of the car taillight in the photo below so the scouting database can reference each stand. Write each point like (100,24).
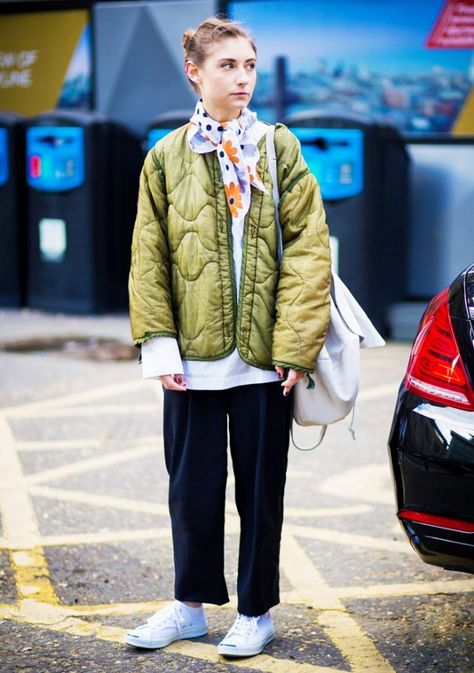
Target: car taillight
(435,520)
(435,370)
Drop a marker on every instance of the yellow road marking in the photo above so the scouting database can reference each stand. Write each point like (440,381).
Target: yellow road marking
(97,500)
(19,520)
(366,483)
(331,614)
(317,512)
(57,444)
(406,589)
(232,527)
(133,505)
(350,539)
(72,412)
(261,662)
(72,399)
(38,604)
(32,576)
(89,464)
(65,444)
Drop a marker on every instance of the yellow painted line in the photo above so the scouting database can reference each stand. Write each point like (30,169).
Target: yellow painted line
(303,575)
(57,618)
(18,515)
(95,410)
(261,662)
(115,609)
(132,505)
(407,589)
(100,537)
(19,522)
(302,512)
(58,445)
(83,497)
(353,642)
(367,483)
(32,576)
(340,626)
(73,399)
(108,609)
(105,537)
(90,464)
(350,539)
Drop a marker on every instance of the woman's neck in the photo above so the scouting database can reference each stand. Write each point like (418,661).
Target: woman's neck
(220,115)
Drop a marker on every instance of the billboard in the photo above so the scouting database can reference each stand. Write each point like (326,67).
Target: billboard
(145,77)
(404,62)
(45,61)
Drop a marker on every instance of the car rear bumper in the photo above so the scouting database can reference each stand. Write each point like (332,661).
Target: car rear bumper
(432,456)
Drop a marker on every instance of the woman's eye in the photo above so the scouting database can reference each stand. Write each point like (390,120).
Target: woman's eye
(227,66)
(252,66)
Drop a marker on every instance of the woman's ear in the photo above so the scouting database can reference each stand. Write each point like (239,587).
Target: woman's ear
(192,72)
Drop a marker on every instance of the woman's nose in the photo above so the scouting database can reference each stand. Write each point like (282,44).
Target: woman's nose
(242,76)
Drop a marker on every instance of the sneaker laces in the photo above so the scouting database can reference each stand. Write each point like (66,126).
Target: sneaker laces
(244,626)
(171,614)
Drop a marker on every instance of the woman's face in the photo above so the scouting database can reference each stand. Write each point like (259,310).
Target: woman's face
(227,77)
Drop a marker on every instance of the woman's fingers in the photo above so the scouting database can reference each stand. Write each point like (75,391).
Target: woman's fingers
(293,377)
(280,371)
(173,382)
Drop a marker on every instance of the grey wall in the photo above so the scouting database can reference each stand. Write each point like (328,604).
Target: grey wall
(441,239)
(139,58)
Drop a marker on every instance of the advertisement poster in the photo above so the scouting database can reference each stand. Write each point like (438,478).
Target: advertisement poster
(45,61)
(405,62)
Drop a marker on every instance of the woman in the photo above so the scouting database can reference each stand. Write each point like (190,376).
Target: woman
(228,329)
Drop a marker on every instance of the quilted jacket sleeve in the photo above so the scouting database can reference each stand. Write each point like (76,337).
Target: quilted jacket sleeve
(302,308)
(151,312)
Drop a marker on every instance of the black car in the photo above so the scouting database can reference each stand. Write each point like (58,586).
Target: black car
(431,444)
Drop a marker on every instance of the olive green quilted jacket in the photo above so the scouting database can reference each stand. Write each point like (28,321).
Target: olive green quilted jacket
(182,280)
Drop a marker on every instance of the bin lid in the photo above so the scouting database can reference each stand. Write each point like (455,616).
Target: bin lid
(8,119)
(68,118)
(330,119)
(171,119)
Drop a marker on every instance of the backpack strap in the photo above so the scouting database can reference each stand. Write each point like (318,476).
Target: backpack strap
(272,167)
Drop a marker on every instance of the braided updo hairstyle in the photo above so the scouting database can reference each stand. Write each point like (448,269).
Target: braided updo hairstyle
(196,41)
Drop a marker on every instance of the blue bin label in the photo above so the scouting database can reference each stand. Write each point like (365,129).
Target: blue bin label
(55,158)
(4,163)
(156,134)
(336,158)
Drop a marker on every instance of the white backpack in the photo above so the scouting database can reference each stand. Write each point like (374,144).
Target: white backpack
(329,394)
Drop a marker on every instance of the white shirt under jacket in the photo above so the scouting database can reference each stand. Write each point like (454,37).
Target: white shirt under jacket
(161,356)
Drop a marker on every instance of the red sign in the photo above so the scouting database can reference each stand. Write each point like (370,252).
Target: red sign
(454,28)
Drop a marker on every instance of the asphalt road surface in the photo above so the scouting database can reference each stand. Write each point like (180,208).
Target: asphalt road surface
(85,549)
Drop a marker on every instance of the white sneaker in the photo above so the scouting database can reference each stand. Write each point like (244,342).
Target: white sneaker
(247,636)
(175,622)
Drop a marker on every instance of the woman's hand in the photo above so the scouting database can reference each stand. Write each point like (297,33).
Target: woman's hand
(294,375)
(173,382)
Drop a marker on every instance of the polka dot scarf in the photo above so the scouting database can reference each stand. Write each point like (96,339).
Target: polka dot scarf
(236,147)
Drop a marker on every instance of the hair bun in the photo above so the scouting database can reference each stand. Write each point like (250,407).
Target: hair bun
(187,37)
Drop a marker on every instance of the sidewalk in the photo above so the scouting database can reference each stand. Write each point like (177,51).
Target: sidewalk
(24,323)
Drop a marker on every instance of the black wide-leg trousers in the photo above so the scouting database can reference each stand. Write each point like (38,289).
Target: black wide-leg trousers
(197,424)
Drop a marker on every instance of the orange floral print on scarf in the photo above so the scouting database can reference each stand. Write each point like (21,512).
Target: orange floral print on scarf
(235,144)
(234,198)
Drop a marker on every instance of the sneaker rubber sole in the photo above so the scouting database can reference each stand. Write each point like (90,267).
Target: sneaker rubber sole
(136,641)
(235,651)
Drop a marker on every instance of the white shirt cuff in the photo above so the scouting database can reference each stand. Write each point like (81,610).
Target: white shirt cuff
(161,356)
